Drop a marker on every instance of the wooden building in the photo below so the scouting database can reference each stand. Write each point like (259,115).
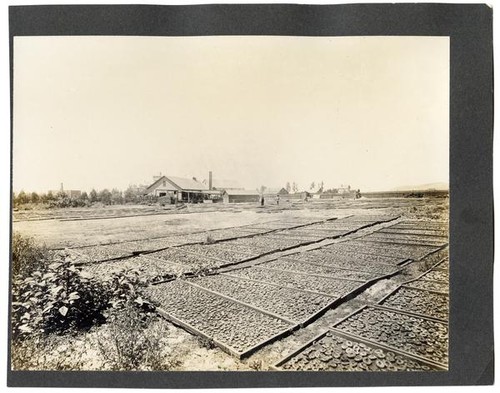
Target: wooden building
(301,195)
(269,192)
(240,196)
(179,189)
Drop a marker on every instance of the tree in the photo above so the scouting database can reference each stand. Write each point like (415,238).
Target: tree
(129,194)
(50,196)
(22,198)
(93,196)
(134,193)
(295,187)
(288,187)
(34,197)
(116,197)
(84,197)
(321,185)
(105,196)
(313,184)
(262,189)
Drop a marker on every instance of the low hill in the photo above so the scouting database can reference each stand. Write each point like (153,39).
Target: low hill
(423,187)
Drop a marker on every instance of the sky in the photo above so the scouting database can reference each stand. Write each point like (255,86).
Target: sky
(107,112)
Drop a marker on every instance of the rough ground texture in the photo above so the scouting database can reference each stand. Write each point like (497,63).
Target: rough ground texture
(202,226)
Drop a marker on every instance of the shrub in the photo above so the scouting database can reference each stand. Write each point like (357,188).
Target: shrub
(65,201)
(121,286)
(27,256)
(57,299)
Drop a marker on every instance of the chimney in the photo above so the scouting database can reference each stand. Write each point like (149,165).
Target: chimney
(210,180)
(62,188)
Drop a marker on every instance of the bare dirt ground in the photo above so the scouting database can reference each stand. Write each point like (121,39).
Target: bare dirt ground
(185,351)
(60,233)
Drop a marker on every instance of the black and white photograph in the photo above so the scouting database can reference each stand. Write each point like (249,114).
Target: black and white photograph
(268,203)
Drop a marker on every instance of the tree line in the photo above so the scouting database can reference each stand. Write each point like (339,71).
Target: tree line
(132,195)
(315,187)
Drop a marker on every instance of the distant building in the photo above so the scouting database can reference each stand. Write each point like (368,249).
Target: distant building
(179,189)
(240,196)
(302,195)
(344,189)
(73,193)
(343,192)
(223,184)
(271,195)
(269,192)
(316,188)
(67,193)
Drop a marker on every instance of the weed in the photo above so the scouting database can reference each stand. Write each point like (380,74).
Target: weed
(205,343)
(130,341)
(255,365)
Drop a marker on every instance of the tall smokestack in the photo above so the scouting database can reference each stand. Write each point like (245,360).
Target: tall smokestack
(210,180)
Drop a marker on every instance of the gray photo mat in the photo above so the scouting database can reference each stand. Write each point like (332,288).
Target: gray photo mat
(471,143)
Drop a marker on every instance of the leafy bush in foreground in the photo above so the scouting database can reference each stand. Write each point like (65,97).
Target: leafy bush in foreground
(56,299)
(56,296)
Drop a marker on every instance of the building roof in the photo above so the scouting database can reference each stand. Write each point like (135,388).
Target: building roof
(212,192)
(187,184)
(242,192)
(225,184)
(281,190)
(315,189)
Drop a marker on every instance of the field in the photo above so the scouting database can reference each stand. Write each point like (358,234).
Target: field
(323,285)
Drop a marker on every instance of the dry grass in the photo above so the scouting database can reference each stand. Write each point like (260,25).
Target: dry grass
(434,209)
(49,352)
(133,341)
